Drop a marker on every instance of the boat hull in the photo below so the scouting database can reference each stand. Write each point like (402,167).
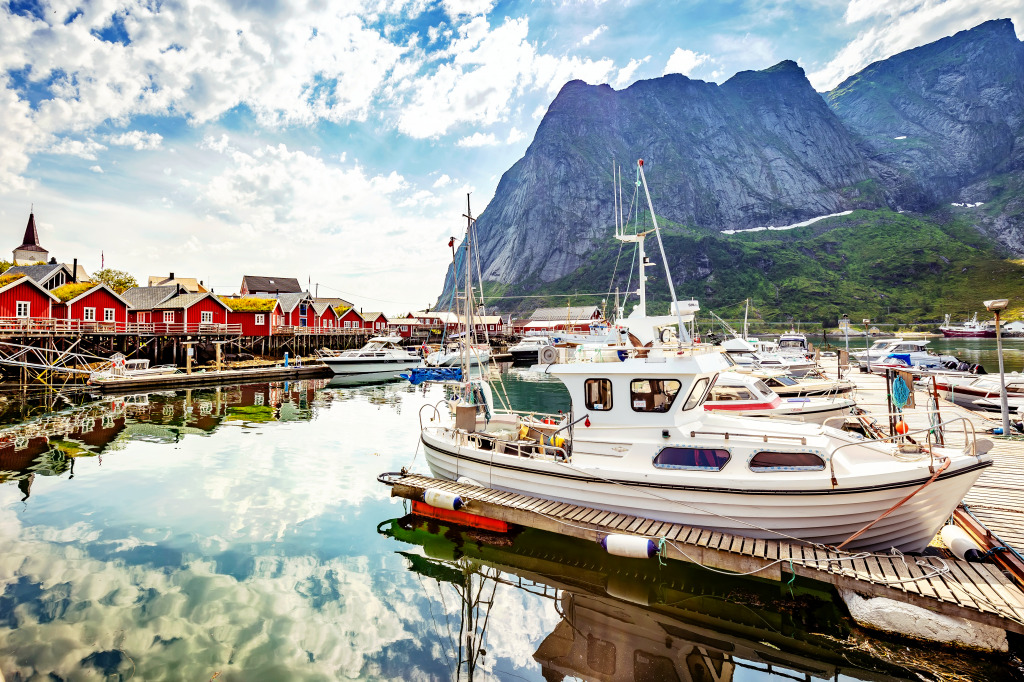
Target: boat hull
(968,333)
(346,366)
(827,516)
(814,412)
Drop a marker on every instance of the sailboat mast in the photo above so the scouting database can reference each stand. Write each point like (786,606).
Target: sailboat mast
(746,313)
(664,258)
(470,335)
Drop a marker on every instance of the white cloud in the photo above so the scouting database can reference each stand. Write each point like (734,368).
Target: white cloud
(515,135)
(684,61)
(85,149)
(442,181)
(539,111)
(478,140)
(136,139)
(892,27)
(589,38)
(625,75)
(457,8)
(96,169)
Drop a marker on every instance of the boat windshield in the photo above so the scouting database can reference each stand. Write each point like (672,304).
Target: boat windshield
(791,343)
(878,345)
(785,381)
(763,388)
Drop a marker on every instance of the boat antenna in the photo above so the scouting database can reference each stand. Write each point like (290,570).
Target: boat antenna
(664,258)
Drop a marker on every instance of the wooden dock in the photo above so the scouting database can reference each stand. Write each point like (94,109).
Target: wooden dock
(974,591)
(993,510)
(225,376)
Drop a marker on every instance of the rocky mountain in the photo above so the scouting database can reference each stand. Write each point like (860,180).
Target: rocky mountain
(938,124)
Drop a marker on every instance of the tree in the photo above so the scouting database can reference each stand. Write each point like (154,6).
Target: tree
(118,280)
(5,265)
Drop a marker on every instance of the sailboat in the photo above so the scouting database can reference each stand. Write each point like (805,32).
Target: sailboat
(638,441)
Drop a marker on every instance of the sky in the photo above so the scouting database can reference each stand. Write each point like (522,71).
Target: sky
(335,142)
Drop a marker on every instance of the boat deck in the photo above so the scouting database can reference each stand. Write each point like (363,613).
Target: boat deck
(974,591)
(996,501)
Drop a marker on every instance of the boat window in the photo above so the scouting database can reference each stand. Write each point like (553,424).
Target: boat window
(729,393)
(652,395)
(786,461)
(786,381)
(763,388)
(598,394)
(697,394)
(790,343)
(691,458)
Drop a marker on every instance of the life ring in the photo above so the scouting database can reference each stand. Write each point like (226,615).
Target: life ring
(548,420)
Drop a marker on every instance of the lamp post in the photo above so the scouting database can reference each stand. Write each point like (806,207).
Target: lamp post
(846,332)
(995,306)
(867,342)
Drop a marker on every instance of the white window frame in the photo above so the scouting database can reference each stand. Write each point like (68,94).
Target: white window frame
(206,317)
(23,309)
(88,314)
(260,320)
(168,317)
(109,315)
(348,324)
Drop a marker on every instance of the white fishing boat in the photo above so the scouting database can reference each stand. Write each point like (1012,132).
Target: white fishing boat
(454,353)
(640,442)
(915,351)
(748,396)
(380,355)
(746,355)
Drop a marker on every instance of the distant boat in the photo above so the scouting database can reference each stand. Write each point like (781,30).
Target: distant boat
(970,329)
(123,368)
(381,355)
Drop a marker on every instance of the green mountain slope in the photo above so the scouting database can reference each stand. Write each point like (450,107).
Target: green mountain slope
(887,266)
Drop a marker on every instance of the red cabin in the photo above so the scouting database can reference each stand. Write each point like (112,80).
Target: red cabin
(22,300)
(93,305)
(350,319)
(190,313)
(257,316)
(297,309)
(375,322)
(325,317)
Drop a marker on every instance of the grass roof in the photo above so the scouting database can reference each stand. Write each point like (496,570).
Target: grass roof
(7,279)
(342,309)
(72,290)
(250,305)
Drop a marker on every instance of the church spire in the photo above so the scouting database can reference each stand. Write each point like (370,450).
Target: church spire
(31,235)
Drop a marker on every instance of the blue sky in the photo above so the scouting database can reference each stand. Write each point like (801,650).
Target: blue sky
(335,141)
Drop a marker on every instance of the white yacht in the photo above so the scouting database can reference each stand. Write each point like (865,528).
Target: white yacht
(746,355)
(748,396)
(916,349)
(451,355)
(121,367)
(530,348)
(381,355)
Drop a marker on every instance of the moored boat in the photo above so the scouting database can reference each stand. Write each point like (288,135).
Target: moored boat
(746,395)
(969,329)
(380,355)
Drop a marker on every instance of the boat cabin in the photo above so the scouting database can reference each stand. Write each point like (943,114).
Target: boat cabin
(793,343)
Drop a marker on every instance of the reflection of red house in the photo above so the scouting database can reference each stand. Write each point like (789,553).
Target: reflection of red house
(90,304)
(257,316)
(21,297)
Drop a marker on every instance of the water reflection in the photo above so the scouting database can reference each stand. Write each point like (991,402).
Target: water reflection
(636,620)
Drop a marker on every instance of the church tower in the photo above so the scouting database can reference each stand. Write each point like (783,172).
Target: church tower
(30,252)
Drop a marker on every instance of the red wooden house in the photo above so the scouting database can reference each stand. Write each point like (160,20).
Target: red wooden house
(324,316)
(257,316)
(92,305)
(142,301)
(21,298)
(190,313)
(376,322)
(297,309)
(350,319)
(405,327)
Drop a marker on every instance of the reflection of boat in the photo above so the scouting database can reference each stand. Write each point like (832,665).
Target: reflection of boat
(349,380)
(749,396)
(624,619)
(381,355)
(970,329)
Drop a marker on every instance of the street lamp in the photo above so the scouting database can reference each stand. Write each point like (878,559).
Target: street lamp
(846,332)
(995,306)
(867,340)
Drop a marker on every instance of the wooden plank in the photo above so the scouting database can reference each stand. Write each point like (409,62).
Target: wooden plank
(886,570)
(644,527)
(677,528)
(998,589)
(716,540)
(625,523)
(964,587)
(771,549)
(915,587)
(938,585)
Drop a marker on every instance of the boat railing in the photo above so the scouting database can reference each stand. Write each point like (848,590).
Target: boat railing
(437,413)
(764,437)
(538,416)
(532,449)
(938,430)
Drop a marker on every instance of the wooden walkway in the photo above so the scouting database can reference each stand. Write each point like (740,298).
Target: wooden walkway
(976,592)
(997,499)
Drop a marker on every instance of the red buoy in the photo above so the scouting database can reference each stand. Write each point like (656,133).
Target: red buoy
(902,428)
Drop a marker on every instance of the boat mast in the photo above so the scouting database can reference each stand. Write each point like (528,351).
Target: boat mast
(470,333)
(746,313)
(664,258)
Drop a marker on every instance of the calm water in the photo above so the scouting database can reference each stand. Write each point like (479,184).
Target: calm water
(240,534)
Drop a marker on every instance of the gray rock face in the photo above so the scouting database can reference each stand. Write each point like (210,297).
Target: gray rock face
(942,115)
(765,149)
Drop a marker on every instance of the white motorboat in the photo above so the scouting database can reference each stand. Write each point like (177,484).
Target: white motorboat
(530,348)
(638,441)
(812,383)
(915,350)
(747,356)
(452,354)
(793,344)
(124,368)
(746,395)
(960,387)
(380,355)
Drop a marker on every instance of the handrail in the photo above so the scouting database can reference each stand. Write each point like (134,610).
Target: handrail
(970,446)
(802,439)
(545,449)
(437,413)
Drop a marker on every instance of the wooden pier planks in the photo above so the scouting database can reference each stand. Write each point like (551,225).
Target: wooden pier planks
(978,592)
